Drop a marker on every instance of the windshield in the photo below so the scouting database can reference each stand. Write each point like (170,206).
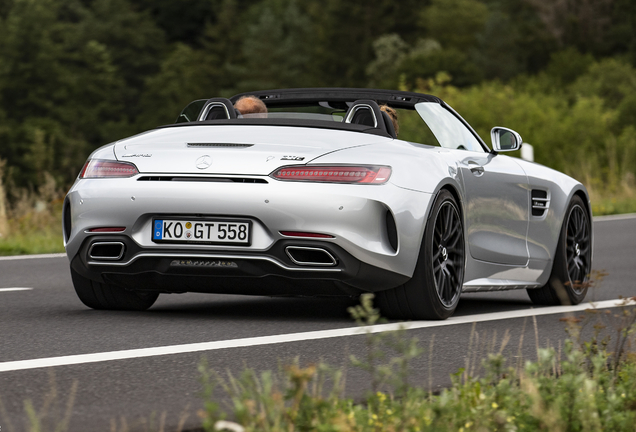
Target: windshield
(450,132)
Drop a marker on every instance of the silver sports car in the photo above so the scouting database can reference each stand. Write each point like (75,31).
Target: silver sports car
(319,196)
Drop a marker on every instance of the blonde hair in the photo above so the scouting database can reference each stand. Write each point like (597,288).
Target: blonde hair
(393,115)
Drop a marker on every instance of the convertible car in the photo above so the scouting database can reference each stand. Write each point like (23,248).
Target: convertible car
(320,196)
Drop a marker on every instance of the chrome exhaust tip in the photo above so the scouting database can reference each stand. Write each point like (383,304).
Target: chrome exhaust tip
(106,251)
(310,256)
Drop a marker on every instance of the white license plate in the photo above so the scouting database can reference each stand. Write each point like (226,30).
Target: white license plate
(201,231)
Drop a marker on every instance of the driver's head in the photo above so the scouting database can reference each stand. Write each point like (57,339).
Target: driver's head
(393,116)
(250,105)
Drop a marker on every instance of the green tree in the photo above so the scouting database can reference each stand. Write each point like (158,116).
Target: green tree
(455,23)
(54,87)
(277,46)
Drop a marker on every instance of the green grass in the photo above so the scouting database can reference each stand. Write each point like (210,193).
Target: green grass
(614,205)
(35,232)
(36,242)
(588,385)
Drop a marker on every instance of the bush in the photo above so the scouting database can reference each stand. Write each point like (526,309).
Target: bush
(587,387)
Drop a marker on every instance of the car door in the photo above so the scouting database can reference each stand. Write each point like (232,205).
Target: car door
(496,202)
(496,205)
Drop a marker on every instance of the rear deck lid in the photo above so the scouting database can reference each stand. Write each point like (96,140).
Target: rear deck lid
(245,150)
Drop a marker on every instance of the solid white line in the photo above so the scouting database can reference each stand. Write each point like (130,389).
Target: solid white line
(614,217)
(15,289)
(24,257)
(292,337)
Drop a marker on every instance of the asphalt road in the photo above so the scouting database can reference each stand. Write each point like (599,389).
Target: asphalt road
(134,369)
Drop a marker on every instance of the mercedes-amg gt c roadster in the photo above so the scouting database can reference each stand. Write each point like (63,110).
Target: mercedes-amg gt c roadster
(319,196)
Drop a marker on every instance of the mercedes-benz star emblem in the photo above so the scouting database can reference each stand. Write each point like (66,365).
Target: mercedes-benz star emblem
(204,162)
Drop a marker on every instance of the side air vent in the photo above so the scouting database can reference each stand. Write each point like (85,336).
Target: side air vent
(66,220)
(203,179)
(540,202)
(391,230)
(219,145)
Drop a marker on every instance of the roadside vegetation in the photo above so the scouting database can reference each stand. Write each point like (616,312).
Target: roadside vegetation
(588,383)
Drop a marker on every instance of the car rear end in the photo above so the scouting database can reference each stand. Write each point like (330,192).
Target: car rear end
(246,210)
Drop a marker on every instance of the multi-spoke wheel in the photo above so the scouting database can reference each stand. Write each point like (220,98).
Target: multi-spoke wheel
(572,262)
(448,254)
(433,291)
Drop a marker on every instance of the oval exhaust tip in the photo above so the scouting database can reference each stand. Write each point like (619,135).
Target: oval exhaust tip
(310,256)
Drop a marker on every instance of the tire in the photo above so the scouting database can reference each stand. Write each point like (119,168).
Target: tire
(98,295)
(434,290)
(568,281)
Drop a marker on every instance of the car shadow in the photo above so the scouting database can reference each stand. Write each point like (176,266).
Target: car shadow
(490,302)
(305,309)
(312,309)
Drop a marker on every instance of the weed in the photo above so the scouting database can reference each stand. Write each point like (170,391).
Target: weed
(585,386)
(32,222)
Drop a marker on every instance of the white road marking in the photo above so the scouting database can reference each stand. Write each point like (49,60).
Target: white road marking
(15,289)
(24,257)
(614,217)
(292,337)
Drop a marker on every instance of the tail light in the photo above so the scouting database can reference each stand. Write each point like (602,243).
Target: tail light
(334,174)
(97,168)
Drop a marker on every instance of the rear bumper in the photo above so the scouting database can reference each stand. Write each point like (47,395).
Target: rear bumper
(273,271)
(356,216)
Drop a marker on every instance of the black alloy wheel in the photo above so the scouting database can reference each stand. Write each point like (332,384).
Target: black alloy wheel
(578,245)
(569,279)
(448,254)
(434,290)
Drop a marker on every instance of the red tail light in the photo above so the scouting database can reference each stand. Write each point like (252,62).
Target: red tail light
(334,174)
(96,168)
(305,234)
(107,230)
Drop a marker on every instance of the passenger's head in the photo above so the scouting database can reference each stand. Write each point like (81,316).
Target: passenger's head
(393,115)
(250,105)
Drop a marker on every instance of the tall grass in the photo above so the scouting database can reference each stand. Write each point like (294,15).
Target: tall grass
(587,385)
(31,221)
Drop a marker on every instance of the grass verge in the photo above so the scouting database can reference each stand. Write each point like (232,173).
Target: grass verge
(35,231)
(589,385)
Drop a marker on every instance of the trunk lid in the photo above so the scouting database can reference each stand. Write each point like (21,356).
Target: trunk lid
(246,150)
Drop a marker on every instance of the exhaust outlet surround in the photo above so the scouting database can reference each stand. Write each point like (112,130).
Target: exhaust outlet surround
(107,251)
(310,256)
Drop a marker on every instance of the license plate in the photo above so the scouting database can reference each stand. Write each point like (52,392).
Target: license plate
(207,231)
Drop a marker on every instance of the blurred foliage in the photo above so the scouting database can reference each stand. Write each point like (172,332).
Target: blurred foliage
(582,128)
(77,74)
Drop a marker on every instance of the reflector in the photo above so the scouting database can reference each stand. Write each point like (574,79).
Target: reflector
(107,229)
(96,168)
(334,174)
(305,234)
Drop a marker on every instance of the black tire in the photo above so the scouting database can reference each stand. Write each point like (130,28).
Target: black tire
(434,290)
(568,281)
(98,295)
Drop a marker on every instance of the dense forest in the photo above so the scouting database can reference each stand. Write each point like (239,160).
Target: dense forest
(77,74)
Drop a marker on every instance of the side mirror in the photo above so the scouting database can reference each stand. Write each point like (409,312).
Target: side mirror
(504,139)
